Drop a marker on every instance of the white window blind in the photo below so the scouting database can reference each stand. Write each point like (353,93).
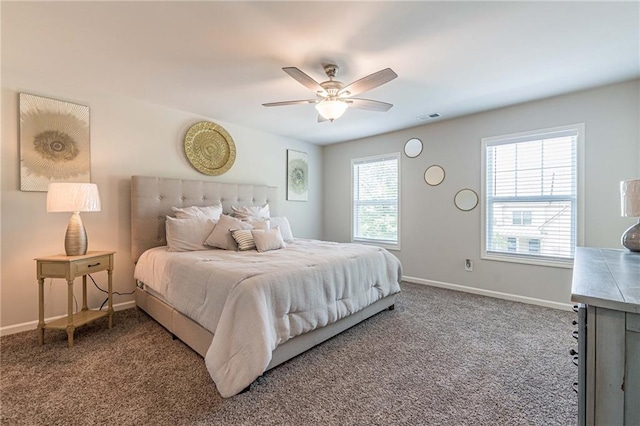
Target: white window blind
(530,194)
(375,209)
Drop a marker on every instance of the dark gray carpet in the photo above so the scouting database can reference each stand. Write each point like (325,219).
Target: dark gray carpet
(441,358)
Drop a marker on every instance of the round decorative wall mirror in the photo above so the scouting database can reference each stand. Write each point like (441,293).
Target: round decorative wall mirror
(466,199)
(413,147)
(434,175)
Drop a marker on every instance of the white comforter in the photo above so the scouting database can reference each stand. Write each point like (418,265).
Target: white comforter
(252,302)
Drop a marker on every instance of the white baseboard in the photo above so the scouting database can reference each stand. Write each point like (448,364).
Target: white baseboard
(491,293)
(32,325)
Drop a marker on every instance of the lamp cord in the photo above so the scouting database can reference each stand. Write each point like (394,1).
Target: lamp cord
(105,291)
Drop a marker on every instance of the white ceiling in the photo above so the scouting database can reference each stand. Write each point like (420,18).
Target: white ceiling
(223,59)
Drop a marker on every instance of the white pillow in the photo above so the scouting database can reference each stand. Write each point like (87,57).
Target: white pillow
(188,234)
(267,239)
(201,212)
(221,236)
(285,229)
(251,213)
(244,239)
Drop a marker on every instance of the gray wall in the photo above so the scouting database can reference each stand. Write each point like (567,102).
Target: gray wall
(128,137)
(436,237)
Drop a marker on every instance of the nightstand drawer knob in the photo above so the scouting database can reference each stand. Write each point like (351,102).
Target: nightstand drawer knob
(94,264)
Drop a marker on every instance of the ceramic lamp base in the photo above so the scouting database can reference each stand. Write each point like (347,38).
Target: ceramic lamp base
(75,240)
(631,238)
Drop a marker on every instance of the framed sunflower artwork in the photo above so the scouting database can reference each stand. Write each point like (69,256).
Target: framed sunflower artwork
(54,142)
(297,176)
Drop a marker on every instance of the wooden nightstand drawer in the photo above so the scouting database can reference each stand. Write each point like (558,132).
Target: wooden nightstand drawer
(54,269)
(94,264)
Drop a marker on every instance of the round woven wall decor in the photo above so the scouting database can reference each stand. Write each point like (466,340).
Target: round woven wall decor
(209,148)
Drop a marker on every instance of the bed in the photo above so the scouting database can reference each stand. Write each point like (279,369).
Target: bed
(247,312)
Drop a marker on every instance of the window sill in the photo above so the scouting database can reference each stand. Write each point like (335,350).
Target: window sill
(565,264)
(394,247)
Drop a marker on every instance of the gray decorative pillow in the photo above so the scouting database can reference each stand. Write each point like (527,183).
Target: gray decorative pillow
(267,239)
(244,239)
(188,234)
(221,236)
(259,223)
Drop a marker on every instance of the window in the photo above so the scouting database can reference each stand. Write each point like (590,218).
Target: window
(530,193)
(376,200)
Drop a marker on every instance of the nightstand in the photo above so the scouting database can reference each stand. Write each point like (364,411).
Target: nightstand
(70,267)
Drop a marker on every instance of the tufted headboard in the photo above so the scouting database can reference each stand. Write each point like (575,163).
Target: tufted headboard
(153,197)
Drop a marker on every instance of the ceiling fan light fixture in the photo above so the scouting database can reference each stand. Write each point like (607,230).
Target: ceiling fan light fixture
(333,97)
(331,109)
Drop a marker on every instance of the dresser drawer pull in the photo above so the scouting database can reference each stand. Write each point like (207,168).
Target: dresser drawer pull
(575,387)
(575,360)
(94,264)
(575,334)
(573,352)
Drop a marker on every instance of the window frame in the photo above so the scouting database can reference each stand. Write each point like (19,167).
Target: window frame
(379,243)
(579,128)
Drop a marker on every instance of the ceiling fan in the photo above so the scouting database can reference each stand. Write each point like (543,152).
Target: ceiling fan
(333,97)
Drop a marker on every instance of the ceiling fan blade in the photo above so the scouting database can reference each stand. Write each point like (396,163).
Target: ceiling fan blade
(307,101)
(368,104)
(304,79)
(369,82)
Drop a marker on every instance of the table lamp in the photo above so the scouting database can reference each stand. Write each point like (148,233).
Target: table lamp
(76,198)
(630,198)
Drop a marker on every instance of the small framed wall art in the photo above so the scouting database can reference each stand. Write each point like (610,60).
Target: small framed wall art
(297,176)
(54,142)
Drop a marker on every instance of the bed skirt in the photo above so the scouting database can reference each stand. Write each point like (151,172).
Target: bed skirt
(199,339)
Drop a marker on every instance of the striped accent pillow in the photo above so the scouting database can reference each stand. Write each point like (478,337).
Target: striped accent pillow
(244,239)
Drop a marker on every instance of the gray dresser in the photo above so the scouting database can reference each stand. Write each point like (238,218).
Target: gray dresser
(607,282)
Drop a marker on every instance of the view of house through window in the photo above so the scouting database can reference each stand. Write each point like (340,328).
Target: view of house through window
(521,217)
(530,195)
(376,192)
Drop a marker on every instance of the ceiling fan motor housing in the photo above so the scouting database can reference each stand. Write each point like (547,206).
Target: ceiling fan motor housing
(332,87)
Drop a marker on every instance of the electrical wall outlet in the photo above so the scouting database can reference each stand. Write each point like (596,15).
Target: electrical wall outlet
(468,265)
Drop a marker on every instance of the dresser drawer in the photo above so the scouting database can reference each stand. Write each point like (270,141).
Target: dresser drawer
(95,264)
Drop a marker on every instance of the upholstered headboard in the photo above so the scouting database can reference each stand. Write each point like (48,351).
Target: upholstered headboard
(153,197)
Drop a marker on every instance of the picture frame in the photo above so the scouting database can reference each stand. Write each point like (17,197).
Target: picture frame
(297,176)
(54,142)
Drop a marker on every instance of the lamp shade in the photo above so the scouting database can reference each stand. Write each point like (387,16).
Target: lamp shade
(331,109)
(73,197)
(630,197)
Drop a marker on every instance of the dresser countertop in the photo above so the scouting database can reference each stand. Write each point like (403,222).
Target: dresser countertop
(607,278)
